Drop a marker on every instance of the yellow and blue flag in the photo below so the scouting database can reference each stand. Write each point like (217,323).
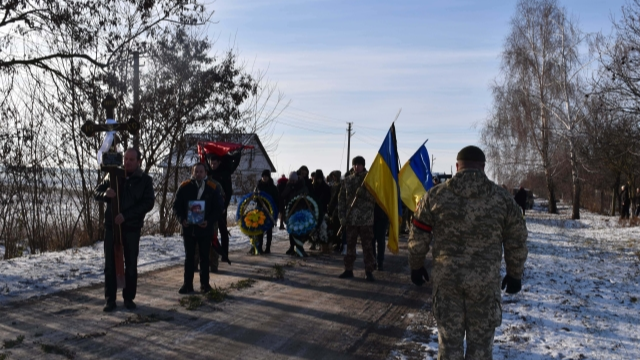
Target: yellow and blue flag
(382,182)
(415,178)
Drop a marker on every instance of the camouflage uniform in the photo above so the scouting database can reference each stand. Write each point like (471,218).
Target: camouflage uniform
(359,220)
(468,220)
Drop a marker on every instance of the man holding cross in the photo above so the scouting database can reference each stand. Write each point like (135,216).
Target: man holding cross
(136,200)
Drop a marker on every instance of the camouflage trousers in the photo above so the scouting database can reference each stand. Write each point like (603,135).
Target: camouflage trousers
(475,313)
(366,239)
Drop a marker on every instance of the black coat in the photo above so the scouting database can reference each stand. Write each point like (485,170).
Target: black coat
(521,198)
(136,199)
(321,193)
(223,173)
(214,202)
(270,188)
(292,190)
(625,200)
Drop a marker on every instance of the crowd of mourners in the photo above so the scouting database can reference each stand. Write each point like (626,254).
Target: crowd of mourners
(452,219)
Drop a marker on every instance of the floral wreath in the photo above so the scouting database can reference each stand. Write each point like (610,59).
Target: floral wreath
(301,223)
(256,213)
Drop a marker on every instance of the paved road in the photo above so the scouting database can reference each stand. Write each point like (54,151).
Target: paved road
(310,314)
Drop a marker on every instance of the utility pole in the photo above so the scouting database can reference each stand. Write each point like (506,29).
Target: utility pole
(136,95)
(433,158)
(349,135)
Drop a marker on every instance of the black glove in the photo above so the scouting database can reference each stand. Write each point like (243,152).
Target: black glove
(419,276)
(513,285)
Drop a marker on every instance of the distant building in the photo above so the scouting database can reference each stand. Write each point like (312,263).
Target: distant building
(252,163)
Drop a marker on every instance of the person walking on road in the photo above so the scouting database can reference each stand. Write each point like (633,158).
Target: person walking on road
(521,198)
(468,222)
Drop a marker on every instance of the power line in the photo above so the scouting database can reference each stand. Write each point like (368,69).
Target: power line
(303,128)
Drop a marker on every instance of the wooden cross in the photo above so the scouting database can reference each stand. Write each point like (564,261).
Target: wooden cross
(112,164)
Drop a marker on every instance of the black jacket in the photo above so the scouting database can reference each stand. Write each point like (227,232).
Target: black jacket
(212,197)
(321,193)
(270,188)
(136,199)
(223,173)
(521,198)
(292,190)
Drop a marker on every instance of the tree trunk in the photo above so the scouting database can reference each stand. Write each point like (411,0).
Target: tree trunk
(575,180)
(614,199)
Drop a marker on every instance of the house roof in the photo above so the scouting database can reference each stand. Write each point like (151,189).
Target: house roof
(191,156)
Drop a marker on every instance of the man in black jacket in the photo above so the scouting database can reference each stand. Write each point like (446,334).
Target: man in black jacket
(266,185)
(220,169)
(194,189)
(136,200)
(521,198)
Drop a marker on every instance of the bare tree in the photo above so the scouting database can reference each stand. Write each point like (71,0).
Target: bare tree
(537,100)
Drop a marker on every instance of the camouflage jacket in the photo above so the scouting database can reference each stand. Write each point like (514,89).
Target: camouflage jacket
(468,221)
(361,213)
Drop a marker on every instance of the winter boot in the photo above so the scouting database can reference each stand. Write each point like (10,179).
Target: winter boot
(347,274)
(185,289)
(369,276)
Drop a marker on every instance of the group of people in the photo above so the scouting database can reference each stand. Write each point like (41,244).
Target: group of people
(468,221)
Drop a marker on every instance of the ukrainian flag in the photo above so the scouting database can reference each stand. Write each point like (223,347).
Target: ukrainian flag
(382,182)
(415,178)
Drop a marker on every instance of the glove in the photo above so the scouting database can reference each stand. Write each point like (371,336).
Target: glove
(513,285)
(419,276)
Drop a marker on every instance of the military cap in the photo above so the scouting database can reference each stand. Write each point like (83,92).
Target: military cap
(358,160)
(471,153)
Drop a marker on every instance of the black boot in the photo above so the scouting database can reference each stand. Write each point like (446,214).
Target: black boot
(290,251)
(186,289)
(347,274)
(109,307)
(369,276)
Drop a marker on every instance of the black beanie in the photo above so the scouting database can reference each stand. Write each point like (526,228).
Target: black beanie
(471,153)
(266,173)
(358,160)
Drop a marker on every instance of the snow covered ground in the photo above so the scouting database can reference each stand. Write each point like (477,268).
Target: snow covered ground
(580,293)
(35,275)
(579,298)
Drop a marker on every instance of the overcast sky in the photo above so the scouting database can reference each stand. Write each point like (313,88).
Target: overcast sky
(361,61)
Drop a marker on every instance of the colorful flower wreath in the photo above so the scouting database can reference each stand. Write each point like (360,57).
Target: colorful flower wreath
(302,222)
(256,213)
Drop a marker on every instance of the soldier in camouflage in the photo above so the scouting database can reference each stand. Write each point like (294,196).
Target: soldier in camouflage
(468,221)
(356,219)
